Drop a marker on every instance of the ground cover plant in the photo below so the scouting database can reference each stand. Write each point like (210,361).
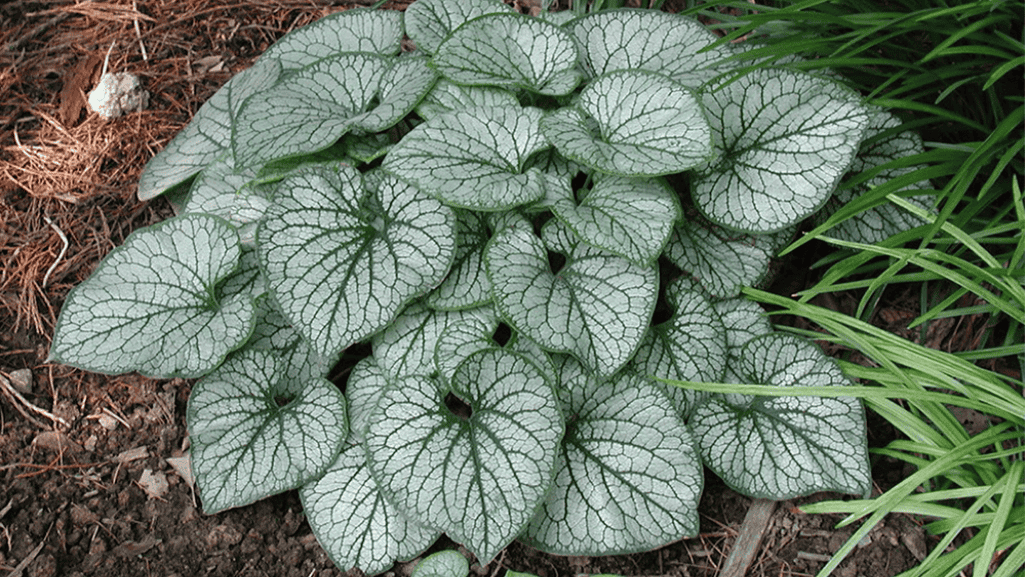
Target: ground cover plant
(524,239)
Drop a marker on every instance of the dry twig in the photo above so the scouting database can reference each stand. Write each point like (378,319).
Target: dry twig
(8,389)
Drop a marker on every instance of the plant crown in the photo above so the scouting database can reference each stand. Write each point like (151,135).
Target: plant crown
(532,222)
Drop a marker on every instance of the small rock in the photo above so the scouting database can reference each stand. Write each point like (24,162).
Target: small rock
(21,380)
(118,94)
(107,422)
(189,514)
(914,539)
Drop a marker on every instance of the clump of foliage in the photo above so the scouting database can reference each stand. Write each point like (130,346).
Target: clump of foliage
(533,223)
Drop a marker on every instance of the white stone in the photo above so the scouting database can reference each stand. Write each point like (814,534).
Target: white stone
(21,379)
(118,94)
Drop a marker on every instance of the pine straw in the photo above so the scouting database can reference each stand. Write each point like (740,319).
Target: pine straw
(59,161)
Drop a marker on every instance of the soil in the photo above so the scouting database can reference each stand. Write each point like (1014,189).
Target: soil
(86,484)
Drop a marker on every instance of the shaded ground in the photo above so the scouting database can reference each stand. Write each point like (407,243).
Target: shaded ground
(86,487)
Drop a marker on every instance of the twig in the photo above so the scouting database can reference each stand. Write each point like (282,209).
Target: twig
(9,389)
(64,249)
(35,552)
(6,389)
(28,559)
(138,34)
(751,532)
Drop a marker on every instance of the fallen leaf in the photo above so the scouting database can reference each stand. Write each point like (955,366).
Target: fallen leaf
(155,484)
(183,466)
(56,441)
(130,549)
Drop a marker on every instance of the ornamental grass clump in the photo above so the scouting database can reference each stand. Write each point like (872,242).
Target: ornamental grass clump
(532,222)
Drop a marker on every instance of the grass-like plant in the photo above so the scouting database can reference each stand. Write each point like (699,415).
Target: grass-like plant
(955,72)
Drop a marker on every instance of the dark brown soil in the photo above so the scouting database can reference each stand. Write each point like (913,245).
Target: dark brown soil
(82,480)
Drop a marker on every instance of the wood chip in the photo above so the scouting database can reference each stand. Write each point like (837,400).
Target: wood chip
(130,549)
(132,455)
(76,83)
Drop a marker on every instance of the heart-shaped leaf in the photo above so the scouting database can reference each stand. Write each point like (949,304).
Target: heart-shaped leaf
(463,338)
(402,88)
(246,279)
(375,31)
(474,158)
(481,477)
(879,223)
(743,320)
(257,431)
(230,193)
(629,478)
(342,260)
(407,346)
(367,382)
(597,307)
(466,285)
(783,140)
(784,447)
(722,266)
(153,305)
(630,217)
(632,123)
(443,564)
(447,96)
(365,148)
(511,51)
(310,109)
(429,22)
(690,346)
(354,523)
(633,39)
(208,135)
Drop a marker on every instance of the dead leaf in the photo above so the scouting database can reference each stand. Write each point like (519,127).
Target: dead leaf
(56,441)
(155,484)
(183,466)
(130,549)
(208,64)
